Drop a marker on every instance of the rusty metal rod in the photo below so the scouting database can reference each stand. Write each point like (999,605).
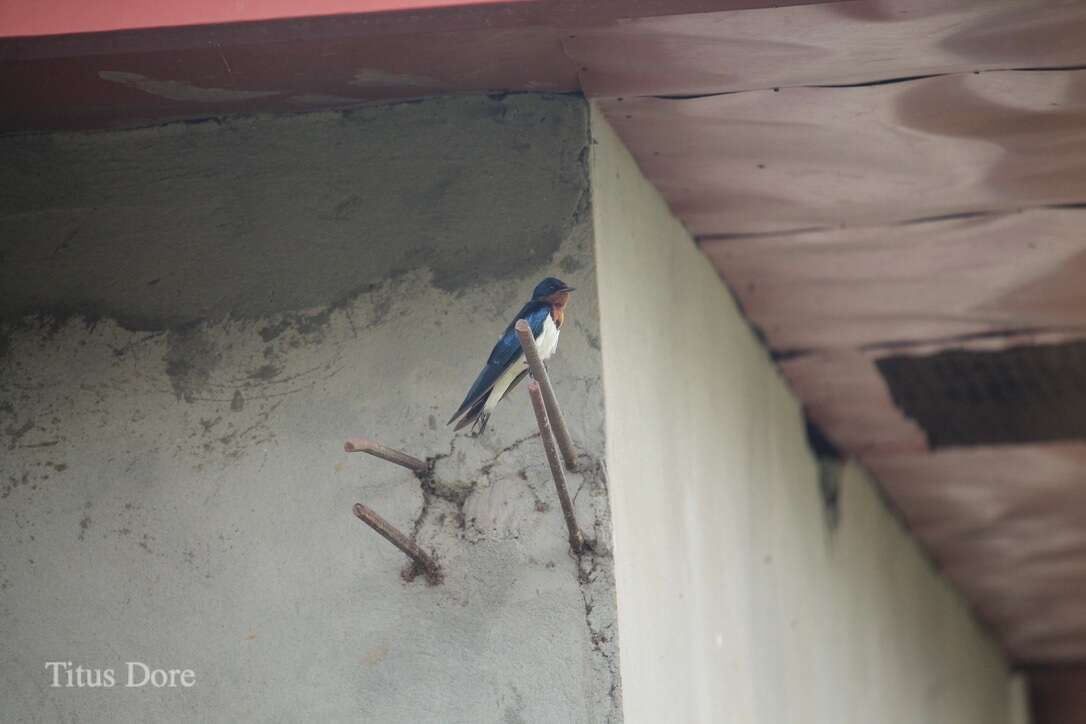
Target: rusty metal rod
(361,444)
(539,374)
(576,540)
(390,533)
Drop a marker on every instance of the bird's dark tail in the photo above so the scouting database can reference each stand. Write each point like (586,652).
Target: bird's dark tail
(475,417)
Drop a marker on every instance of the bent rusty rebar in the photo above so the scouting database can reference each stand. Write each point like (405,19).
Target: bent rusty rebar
(393,535)
(576,539)
(539,374)
(361,444)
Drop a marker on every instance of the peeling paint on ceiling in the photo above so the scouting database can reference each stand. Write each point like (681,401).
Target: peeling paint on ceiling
(1026,394)
(177,90)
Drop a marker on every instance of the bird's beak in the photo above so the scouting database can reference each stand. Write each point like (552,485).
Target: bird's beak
(567,289)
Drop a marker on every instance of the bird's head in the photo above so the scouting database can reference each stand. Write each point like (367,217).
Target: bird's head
(551,290)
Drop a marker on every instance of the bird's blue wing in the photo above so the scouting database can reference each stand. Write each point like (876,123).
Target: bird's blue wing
(505,352)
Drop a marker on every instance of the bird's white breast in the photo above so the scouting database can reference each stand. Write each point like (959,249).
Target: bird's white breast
(547,341)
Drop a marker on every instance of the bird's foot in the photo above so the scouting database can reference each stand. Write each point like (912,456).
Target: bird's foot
(479,426)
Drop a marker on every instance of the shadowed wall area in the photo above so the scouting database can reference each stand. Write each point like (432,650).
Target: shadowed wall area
(166,225)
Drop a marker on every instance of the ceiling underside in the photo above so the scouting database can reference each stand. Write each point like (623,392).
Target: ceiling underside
(861,214)
(895,191)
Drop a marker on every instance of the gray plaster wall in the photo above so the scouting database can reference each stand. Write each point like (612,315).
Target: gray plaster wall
(250,216)
(173,486)
(736,601)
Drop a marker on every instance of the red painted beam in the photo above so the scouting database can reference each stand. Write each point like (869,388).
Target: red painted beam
(58,27)
(65,17)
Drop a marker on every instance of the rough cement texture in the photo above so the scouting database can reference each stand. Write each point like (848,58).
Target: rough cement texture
(772,617)
(181,497)
(171,224)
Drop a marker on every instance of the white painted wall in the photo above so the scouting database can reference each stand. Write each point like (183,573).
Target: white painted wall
(735,602)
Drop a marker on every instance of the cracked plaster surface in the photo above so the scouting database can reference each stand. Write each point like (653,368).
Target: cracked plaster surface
(198,478)
(181,497)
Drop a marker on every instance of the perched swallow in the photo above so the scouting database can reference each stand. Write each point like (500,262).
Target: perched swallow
(506,365)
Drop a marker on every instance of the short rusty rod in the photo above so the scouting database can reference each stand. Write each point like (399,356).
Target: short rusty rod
(361,444)
(539,374)
(576,540)
(390,533)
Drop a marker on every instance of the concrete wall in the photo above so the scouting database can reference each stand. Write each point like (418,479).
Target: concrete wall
(175,492)
(736,603)
(230,300)
(188,221)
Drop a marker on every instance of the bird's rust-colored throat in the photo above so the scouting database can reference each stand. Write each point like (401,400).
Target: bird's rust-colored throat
(558,302)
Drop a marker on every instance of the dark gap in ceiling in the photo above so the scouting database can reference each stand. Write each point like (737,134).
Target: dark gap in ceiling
(784,355)
(694,96)
(957,215)
(820,445)
(892,344)
(952,216)
(882,81)
(739,236)
(1019,395)
(863,83)
(1050,68)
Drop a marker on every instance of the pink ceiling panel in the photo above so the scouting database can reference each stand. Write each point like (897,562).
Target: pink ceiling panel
(937,280)
(894,219)
(844,393)
(1007,525)
(835,43)
(768,161)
